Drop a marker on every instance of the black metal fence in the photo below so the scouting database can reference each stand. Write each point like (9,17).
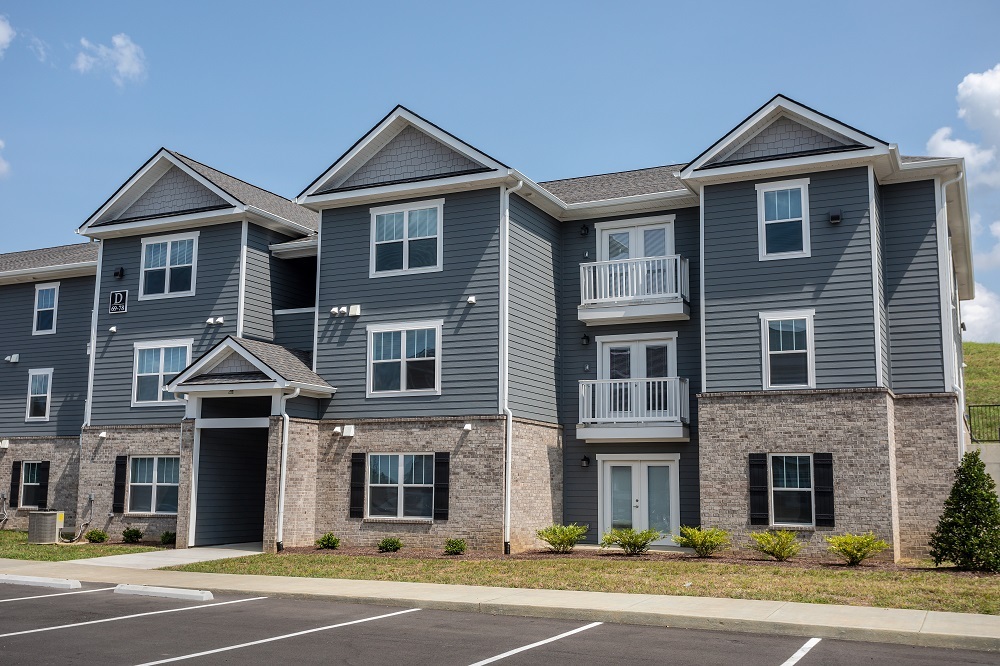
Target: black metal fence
(984,420)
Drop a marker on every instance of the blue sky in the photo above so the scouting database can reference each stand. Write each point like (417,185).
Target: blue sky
(274,92)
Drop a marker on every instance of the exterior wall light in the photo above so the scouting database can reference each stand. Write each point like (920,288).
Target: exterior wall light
(113,329)
(585,340)
(467,427)
(471,300)
(585,461)
(584,229)
(835,216)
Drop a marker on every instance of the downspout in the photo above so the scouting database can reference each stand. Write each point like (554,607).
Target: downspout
(946,326)
(284,467)
(504,349)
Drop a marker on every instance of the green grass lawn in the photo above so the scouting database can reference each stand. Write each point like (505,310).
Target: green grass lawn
(917,588)
(982,376)
(15,546)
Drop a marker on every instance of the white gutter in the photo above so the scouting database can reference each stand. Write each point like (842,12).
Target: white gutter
(284,465)
(88,406)
(79,269)
(260,212)
(504,354)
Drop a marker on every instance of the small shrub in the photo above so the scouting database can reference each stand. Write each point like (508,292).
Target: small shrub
(968,532)
(780,544)
(168,538)
(328,541)
(855,548)
(132,535)
(96,536)
(389,545)
(562,538)
(630,541)
(454,547)
(704,541)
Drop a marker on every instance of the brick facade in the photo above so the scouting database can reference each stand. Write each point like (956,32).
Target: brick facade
(536,482)
(63,454)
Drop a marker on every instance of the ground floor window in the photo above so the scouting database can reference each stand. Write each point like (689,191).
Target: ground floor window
(401,485)
(153,484)
(31,485)
(791,489)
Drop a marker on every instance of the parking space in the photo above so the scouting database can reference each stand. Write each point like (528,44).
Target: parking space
(40,626)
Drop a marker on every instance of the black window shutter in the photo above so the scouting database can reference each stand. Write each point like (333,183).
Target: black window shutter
(357,485)
(15,484)
(121,481)
(759,514)
(43,485)
(442,462)
(823,482)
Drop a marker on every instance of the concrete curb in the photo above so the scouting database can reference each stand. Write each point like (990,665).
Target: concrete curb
(38,581)
(164,592)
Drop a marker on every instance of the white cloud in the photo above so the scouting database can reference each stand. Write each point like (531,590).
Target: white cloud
(124,58)
(39,48)
(991,258)
(4,164)
(7,34)
(979,160)
(982,316)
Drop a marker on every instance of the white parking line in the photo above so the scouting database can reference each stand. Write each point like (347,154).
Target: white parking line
(534,645)
(274,638)
(803,651)
(126,617)
(57,594)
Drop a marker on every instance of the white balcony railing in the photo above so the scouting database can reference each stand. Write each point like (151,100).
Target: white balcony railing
(634,279)
(648,400)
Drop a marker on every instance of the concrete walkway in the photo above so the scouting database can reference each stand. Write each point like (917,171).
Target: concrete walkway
(908,627)
(158,559)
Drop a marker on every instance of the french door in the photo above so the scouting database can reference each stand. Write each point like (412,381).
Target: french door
(639,494)
(631,279)
(636,360)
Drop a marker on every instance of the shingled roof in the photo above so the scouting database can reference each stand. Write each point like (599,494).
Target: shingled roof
(616,185)
(62,255)
(291,364)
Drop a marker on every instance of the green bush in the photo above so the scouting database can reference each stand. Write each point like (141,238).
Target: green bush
(328,541)
(630,541)
(168,538)
(855,548)
(780,544)
(704,541)
(96,536)
(454,546)
(968,532)
(132,535)
(562,538)
(389,545)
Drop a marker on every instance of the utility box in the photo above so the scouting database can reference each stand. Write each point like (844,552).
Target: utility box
(44,526)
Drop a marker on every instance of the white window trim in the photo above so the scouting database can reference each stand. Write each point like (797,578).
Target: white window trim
(55,309)
(193,235)
(603,341)
(155,344)
(405,209)
(635,223)
(801,183)
(400,485)
(20,496)
(770,491)
(765,317)
(154,484)
(48,396)
(436,324)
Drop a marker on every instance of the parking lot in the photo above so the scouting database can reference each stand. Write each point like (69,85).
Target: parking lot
(97,625)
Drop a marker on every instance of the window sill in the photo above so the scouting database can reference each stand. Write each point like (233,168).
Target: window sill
(37,419)
(405,271)
(399,394)
(794,528)
(148,514)
(157,297)
(52,332)
(399,521)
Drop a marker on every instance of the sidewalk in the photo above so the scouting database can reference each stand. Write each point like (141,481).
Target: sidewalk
(171,557)
(907,627)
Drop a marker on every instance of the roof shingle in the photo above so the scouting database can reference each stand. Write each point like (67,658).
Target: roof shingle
(614,185)
(50,256)
(291,364)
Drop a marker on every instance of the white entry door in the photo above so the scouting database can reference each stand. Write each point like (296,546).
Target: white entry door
(639,494)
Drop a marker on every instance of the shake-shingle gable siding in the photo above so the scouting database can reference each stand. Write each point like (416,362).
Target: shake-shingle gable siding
(410,154)
(836,280)
(470,359)
(783,136)
(174,192)
(912,287)
(217,294)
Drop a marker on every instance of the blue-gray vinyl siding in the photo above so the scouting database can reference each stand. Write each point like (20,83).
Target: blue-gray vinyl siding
(836,280)
(912,289)
(232,465)
(295,330)
(216,294)
(258,304)
(883,314)
(305,408)
(470,345)
(533,312)
(579,362)
(65,351)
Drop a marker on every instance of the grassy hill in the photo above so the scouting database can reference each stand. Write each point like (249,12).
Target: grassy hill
(982,376)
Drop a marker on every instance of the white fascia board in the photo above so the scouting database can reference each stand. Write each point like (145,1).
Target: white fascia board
(215,356)
(787,166)
(629,205)
(275,222)
(304,247)
(173,223)
(312,390)
(403,190)
(80,269)
(224,389)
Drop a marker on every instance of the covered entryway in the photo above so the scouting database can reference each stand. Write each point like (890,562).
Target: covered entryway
(232,468)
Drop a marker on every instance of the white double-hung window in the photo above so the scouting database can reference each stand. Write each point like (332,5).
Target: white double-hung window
(46,306)
(169,265)
(406,238)
(153,482)
(404,358)
(401,485)
(791,477)
(788,349)
(783,219)
(156,363)
(39,395)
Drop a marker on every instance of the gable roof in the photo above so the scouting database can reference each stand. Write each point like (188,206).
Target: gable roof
(66,261)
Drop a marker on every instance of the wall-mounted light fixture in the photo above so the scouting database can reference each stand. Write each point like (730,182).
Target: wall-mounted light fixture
(584,229)
(585,340)
(102,435)
(467,427)
(338,431)
(113,329)
(471,300)
(585,461)
(835,216)
(13,358)
(348,431)
(119,273)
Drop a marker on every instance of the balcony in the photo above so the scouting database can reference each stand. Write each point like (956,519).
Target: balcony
(634,290)
(654,409)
